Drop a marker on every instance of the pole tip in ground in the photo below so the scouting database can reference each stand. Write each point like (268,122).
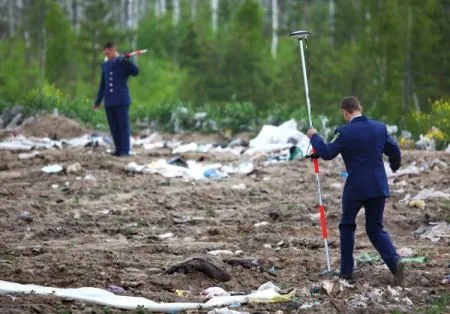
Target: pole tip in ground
(300,34)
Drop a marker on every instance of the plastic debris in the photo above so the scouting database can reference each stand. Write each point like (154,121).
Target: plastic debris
(74,168)
(328,286)
(343,174)
(309,305)
(115,289)
(89,177)
(336,185)
(201,265)
(392,129)
(191,147)
(376,295)
(166,235)
(411,169)
(269,286)
(25,216)
(359,301)
(225,310)
(417,203)
(240,187)
(52,169)
(368,258)
(407,301)
(272,138)
(177,161)
(405,252)
(393,292)
(33,154)
(434,232)
(214,292)
(106,298)
(261,224)
(182,293)
(220,252)
(415,259)
(430,193)
(446,280)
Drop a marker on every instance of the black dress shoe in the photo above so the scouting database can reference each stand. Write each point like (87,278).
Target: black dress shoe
(350,278)
(399,274)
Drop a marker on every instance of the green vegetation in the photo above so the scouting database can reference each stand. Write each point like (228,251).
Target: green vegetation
(393,55)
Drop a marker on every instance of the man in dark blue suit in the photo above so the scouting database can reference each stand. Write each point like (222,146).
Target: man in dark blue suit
(114,90)
(362,142)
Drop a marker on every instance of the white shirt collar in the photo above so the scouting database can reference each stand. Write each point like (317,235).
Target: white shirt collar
(355,117)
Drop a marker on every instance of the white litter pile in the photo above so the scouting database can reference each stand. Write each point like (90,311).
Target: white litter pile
(194,170)
(21,143)
(106,298)
(275,138)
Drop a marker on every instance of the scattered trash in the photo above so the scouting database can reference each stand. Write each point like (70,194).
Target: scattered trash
(417,203)
(407,301)
(33,154)
(368,258)
(343,174)
(295,153)
(416,259)
(52,169)
(309,305)
(225,310)
(192,147)
(165,235)
(240,187)
(214,292)
(434,231)
(74,168)
(55,186)
(106,298)
(336,186)
(272,138)
(359,301)
(446,280)
(220,252)
(89,177)
(376,295)
(261,224)
(269,286)
(183,293)
(427,193)
(115,289)
(392,129)
(393,292)
(177,161)
(405,252)
(328,286)
(25,216)
(253,263)
(411,169)
(201,265)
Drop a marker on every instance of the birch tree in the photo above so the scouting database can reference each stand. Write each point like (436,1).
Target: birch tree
(214,14)
(176,12)
(274,28)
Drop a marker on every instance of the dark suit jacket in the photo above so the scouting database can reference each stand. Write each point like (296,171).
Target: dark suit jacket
(362,143)
(113,85)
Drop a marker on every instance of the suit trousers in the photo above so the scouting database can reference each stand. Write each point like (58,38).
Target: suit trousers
(119,125)
(380,239)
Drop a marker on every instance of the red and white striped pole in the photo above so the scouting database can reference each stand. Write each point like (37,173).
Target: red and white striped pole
(302,36)
(135,53)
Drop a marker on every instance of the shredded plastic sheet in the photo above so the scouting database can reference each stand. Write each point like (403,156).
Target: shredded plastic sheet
(106,298)
(272,138)
(195,170)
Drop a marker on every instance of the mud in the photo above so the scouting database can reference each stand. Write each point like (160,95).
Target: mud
(105,232)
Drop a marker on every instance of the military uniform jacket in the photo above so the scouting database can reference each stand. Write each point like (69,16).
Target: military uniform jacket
(362,143)
(113,85)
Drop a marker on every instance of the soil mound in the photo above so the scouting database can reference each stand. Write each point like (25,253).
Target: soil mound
(54,127)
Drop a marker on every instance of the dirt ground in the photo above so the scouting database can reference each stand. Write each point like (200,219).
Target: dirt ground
(98,233)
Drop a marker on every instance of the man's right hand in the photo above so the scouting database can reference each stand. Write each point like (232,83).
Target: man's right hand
(96,106)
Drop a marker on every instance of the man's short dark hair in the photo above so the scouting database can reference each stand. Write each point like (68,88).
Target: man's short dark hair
(351,104)
(109,45)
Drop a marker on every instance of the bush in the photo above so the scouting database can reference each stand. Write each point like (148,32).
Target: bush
(438,118)
(48,98)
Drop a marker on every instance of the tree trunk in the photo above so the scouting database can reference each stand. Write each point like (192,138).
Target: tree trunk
(214,14)
(163,6)
(193,9)
(176,12)
(274,28)
(11,19)
(332,9)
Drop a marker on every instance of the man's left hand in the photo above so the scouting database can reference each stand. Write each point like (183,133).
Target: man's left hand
(311,132)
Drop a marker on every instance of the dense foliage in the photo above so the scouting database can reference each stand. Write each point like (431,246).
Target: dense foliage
(393,55)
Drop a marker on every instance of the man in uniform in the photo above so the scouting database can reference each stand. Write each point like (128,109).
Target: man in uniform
(114,90)
(362,142)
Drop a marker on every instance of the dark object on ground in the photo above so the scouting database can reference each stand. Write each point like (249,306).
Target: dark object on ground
(201,265)
(178,161)
(252,263)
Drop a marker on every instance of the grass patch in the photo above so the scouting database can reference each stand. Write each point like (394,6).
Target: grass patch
(440,305)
